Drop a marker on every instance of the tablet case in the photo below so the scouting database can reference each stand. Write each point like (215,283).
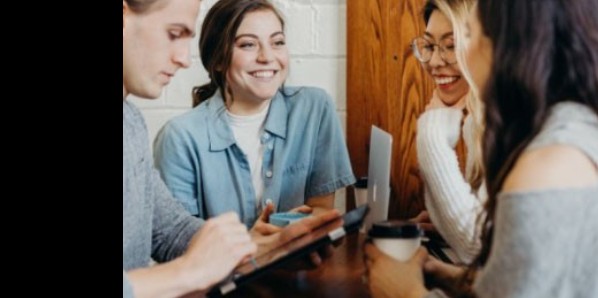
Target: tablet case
(292,250)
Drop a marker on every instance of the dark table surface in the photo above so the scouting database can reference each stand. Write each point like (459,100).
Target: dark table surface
(339,276)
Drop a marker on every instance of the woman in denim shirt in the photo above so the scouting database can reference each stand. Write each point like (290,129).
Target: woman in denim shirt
(249,140)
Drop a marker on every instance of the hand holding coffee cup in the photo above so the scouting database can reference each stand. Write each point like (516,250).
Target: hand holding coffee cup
(398,239)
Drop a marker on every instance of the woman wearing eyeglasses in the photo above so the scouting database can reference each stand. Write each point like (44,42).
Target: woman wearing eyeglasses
(454,192)
(538,79)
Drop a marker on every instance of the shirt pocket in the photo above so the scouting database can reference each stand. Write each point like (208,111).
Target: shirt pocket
(294,181)
(295,170)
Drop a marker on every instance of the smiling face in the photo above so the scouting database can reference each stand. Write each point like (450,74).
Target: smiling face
(450,83)
(259,63)
(156,44)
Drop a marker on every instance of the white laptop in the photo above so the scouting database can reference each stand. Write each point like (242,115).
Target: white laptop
(378,193)
(379,176)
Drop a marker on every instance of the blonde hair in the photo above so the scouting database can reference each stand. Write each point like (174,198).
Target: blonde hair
(457,11)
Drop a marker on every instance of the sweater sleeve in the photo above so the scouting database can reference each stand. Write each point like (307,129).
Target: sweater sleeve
(172,226)
(127,288)
(544,245)
(452,206)
(331,167)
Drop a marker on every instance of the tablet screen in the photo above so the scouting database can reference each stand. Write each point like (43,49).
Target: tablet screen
(325,234)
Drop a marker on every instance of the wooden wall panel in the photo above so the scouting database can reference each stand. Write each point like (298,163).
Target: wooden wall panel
(387,87)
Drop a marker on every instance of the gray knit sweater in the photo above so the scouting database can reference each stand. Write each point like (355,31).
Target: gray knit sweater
(154,224)
(545,242)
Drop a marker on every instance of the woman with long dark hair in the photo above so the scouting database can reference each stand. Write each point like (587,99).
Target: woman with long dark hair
(536,66)
(540,146)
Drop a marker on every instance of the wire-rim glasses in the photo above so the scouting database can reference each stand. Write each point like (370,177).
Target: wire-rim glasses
(423,50)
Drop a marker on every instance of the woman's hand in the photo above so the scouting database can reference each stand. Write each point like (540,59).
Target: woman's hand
(302,209)
(262,225)
(447,277)
(423,219)
(388,277)
(295,230)
(442,270)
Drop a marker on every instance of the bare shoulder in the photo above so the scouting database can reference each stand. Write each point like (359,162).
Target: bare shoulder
(557,166)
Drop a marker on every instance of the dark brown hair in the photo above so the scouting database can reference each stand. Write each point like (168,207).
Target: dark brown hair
(142,6)
(217,40)
(428,9)
(544,52)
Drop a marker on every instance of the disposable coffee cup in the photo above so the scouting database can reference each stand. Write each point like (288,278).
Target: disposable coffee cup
(361,191)
(398,239)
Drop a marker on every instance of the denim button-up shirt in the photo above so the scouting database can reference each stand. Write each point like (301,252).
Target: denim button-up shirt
(305,156)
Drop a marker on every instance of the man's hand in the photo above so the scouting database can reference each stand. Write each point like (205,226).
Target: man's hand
(215,250)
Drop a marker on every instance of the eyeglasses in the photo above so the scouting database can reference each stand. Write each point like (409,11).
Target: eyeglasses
(424,49)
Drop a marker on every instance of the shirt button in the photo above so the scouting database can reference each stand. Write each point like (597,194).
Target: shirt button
(269,174)
(270,146)
(266,136)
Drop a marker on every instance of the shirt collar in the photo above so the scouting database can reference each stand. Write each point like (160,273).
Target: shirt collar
(219,133)
(276,122)
(221,136)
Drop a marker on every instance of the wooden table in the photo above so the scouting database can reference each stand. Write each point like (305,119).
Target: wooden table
(339,277)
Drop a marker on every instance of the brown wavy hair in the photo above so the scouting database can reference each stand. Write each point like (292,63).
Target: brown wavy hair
(544,52)
(217,40)
(143,6)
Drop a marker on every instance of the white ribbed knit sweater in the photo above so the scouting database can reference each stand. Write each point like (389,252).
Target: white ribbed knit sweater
(449,199)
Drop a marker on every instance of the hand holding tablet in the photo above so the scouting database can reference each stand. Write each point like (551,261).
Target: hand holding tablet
(283,219)
(292,242)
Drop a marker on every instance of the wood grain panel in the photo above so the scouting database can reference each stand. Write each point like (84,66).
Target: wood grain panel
(387,87)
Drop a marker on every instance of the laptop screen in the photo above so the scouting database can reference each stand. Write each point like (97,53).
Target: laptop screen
(379,176)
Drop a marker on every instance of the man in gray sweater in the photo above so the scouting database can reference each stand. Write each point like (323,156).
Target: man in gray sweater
(156,40)
(156,36)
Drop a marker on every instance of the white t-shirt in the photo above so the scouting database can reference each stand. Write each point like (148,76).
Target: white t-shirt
(248,131)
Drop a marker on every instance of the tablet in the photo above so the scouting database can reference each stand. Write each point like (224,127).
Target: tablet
(294,249)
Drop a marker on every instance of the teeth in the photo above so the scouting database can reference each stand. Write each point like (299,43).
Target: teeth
(445,80)
(263,74)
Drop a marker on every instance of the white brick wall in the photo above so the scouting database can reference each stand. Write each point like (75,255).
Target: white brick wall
(316,37)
